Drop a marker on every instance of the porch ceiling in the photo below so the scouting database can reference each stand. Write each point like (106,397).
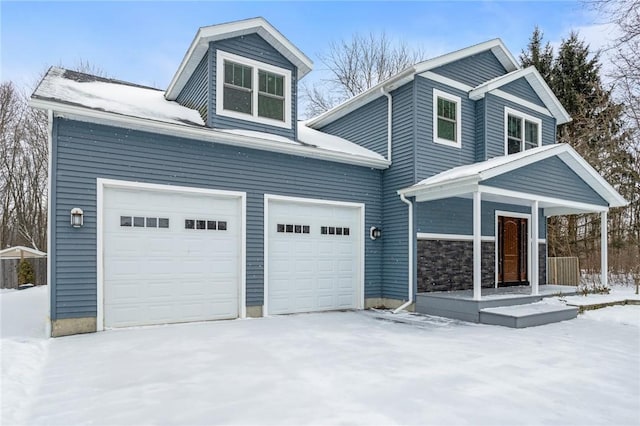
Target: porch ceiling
(463,181)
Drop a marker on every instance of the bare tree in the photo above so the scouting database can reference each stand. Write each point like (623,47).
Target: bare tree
(23,170)
(356,65)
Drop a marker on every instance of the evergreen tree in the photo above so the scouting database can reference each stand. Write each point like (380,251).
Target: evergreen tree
(538,55)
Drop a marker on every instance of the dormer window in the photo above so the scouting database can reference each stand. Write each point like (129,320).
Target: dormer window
(522,131)
(253,91)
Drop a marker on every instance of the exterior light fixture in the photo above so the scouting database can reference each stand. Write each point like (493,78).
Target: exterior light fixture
(77,219)
(375,233)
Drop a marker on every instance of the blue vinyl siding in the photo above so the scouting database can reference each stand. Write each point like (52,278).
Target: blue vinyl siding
(195,93)
(455,216)
(254,47)
(367,126)
(433,158)
(522,89)
(83,152)
(473,70)
(494,110)
(551,178)
(395,213)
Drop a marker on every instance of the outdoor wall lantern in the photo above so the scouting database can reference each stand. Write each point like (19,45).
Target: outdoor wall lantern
(77,217)
(375,233)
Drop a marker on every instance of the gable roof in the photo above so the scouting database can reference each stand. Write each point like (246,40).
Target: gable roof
(496,46)
(259,25)
(474,174)
(538,84)
(100,100)
(18,252)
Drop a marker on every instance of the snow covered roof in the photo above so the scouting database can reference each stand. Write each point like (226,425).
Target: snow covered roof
(205,35)
(19,252)
(96,99)
(538,84)
(467,177)
(496,46)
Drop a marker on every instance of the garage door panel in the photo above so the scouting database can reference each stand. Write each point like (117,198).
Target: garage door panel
(305,266)
(158,275)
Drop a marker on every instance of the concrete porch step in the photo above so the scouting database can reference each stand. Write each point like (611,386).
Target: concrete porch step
(529,315)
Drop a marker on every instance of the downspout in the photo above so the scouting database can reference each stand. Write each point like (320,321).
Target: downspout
(410,258)
(389,117)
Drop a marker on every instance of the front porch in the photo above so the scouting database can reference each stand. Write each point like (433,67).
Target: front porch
(513,307)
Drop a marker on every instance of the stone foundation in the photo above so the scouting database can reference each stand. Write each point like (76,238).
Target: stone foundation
(445,265)
(69,326)
(254,311)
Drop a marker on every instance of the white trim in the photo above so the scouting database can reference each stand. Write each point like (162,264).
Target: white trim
(447,96)
(506,213)
(256,66)
(543,199)
(523,118)
(542,241)
(361,252)
(508,96)
(604,243)
(496,46)
(537,83)
(102,183)
(452,237)
(446,81)
(477,245)
(50,219)
(200,45)
(534,248)
(203,134)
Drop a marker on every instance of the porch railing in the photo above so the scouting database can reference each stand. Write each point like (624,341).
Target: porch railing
(563,270)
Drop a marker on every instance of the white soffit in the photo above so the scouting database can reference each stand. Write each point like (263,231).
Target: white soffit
(259,26)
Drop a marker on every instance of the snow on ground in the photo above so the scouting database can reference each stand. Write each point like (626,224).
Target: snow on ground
(331,368)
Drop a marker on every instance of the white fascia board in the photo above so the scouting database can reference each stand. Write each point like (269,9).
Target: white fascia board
(446,81)
(496,46)
(203,134)
(200,45)
(549,201)
(592,178)
(361,99)
(537,83)
(521,102)
(523,161)
(441,190)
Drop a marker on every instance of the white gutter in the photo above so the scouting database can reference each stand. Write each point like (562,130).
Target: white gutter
(389,121)
(410,259)
(204,134)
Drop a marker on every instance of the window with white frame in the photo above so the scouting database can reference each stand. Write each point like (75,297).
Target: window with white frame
(522,131)
(447,118)
(254,91)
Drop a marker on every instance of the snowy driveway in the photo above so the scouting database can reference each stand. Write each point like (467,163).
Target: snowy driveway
(332,368)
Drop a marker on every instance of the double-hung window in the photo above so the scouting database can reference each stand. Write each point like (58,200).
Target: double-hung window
(253,91)
(446,119)
(522,131)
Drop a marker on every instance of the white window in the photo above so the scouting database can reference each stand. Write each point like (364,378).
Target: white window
(521,131)
(253,91)
(447,117)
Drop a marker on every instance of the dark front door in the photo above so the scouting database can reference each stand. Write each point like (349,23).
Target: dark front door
(512,250)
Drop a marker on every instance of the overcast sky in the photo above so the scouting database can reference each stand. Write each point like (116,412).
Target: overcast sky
(144,42)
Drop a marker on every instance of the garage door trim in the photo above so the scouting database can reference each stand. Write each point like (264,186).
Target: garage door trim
(361,249)
(102,183)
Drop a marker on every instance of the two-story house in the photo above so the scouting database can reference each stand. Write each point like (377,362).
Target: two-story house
(210,200)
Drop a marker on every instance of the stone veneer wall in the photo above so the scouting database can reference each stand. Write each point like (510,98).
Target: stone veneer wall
(445,265)
(542,264)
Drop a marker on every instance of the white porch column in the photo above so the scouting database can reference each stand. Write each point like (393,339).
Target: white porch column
(534,249)
(477,246)
(604,264)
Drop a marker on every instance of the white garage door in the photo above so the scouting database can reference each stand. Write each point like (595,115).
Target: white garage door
(170,257)
(314,259)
